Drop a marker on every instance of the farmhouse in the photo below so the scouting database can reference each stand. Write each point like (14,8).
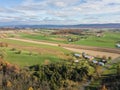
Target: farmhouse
(104,61)
(88,57)
(101,63)
(99,35)
(118,45)
(95,62)
(77,55)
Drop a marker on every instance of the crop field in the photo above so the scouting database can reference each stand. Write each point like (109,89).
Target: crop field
(31,54)
(97,56)
(108,39)
(25,58)
(43,37)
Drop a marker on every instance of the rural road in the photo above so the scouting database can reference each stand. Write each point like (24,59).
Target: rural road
(80,50)
(95,53)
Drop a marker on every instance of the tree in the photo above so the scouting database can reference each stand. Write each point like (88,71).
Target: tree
(118,69)
(30,88)
(104,87)
(2,53)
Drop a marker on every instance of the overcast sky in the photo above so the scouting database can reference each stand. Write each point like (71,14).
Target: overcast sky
(18,12)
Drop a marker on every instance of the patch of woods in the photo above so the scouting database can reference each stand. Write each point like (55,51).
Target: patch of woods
(71,31)
(111,82)
(55,76)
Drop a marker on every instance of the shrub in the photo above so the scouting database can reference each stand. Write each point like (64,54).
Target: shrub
(59,45)
(104,57)
(109,58)
(13,49)
(30,53)
(18,52)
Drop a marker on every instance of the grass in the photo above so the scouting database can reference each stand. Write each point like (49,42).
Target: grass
(38,36)
(25,59)
(108,40)
(50,53)
(21,43)
(111,67)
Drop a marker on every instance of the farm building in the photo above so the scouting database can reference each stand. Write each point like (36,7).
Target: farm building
(118,45)
(101,63)
(77,55)
(104,61)
(95,62)
(88,57)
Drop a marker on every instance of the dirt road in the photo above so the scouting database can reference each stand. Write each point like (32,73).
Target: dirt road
(80,50)
(95,53)
(36,42)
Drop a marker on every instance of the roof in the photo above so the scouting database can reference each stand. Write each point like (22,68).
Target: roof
(118,45)
(77,55)
(94,61)
(101,63)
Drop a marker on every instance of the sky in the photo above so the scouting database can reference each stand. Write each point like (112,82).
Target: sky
(57,12)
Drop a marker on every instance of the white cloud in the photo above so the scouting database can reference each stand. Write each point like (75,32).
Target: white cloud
(63,11)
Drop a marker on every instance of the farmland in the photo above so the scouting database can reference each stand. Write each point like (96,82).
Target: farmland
(38,53)
(108,38)
(49,56)
(59,44)
(52,38)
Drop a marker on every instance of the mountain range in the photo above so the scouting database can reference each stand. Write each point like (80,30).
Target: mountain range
(108,25)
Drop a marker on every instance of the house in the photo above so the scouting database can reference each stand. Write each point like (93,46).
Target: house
(104,61)
(118,45)
(77,55)
(101,63)
(70,40)
(95,62)
(88,57)
(99,35)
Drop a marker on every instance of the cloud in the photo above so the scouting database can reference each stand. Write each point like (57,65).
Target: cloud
(62,11)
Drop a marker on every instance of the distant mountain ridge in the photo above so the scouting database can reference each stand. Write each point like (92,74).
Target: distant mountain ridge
(109,25)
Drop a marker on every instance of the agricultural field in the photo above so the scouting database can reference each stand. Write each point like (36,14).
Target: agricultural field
(26,54)
(63,58)
(108,39)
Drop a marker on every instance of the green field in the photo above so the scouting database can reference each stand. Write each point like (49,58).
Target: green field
(24,59)
(39,56)
(59,49)
(53,53)
(109,39)
(39,36)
